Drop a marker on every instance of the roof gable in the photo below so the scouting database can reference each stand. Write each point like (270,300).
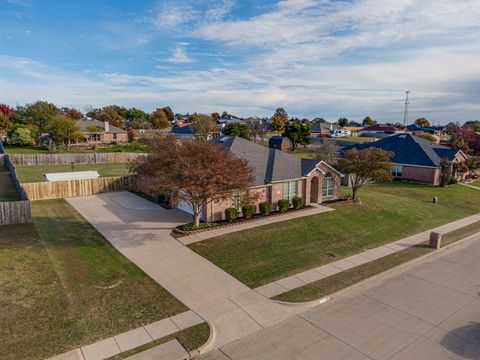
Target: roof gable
(412,150)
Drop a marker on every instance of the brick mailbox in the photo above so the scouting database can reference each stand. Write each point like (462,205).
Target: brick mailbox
(435,240)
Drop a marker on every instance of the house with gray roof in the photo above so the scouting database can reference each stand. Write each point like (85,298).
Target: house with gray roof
(415,159)
(278,175)
(101,132)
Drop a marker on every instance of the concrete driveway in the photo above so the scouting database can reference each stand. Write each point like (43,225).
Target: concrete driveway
(140,230)
(429,311)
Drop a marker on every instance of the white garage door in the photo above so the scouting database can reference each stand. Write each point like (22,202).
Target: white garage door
(184,206)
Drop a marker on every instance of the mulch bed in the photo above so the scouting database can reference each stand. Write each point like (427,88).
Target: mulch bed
(177,232)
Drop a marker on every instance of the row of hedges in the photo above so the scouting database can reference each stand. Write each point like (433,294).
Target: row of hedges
(232,213)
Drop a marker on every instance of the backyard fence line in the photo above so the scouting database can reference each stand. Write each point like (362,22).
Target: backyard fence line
(13,175)
(68,159)
(15,212)
(74,188)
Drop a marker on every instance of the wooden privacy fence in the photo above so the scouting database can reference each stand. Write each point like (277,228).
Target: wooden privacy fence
(67,159)
(15,212)
(73,188)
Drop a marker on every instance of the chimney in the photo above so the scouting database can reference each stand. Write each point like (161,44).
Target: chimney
(107,126)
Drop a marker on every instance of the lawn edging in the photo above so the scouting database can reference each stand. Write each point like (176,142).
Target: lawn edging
(177,232)
(382,275)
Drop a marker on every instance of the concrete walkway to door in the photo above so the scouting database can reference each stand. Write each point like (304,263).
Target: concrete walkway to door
(140,230)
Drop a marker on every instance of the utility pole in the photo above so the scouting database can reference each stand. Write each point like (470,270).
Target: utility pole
(405,114)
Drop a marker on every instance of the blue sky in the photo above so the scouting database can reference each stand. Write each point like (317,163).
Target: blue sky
(314,57)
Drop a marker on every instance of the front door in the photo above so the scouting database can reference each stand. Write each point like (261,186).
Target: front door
(314,190)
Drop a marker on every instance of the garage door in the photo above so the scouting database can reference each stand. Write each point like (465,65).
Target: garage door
(184,206)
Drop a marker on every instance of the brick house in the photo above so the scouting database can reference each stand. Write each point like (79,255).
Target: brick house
(101,132)
(415,159)
(278,175)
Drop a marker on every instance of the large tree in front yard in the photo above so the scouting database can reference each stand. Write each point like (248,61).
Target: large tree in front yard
(366,165)
(197,173)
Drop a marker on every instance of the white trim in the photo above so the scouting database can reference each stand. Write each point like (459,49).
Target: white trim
(323,172)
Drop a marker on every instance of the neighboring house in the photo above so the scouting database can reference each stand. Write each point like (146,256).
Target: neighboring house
(434,130)
(187,130)
(354,130)
(280,143)
(101,132)
(381,129)
(322,129)
(278,175)
(415,159)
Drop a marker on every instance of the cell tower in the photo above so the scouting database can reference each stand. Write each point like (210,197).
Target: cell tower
(405,113)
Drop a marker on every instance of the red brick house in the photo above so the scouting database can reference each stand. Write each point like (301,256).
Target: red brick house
(416,159)
(278,175)
(100,132)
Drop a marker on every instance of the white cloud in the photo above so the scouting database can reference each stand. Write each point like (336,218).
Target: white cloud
(179,55)
(313,57)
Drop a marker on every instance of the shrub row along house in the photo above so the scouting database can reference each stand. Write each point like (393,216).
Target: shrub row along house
(278,175)
(416,159)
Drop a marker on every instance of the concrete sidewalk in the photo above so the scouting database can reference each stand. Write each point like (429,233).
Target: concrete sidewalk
(295,281)
(140,230)
(190,239)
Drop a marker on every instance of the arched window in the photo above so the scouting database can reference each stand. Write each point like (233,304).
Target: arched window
(328,185)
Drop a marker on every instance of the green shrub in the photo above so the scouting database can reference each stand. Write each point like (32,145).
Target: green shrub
(265,208)
(247,211)
(283,205)
(297,202)
(452,181)
(231,214)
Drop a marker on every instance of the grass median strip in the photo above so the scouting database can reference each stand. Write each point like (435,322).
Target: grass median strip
(63,285)
(191,339)
(337,282)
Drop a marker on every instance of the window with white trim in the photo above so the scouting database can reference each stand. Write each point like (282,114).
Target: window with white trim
(397,170)
(289,190)
(237,199)
(328,185)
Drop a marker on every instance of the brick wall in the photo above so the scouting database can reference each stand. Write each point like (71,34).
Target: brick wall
(420,174)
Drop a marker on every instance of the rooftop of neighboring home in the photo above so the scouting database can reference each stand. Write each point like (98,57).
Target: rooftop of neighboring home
(183,129)
(412,150)
(322,126)
(381,128)
(415,127)
(269,165)
(277,139)
(102,126)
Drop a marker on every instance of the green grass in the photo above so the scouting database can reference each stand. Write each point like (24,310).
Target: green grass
(355,139)
(35,173)
(62,285)
(191,339)
(475,183)
(337,282)
(305,155)
(389,212)
(7,189)
(24,150)
(131,147)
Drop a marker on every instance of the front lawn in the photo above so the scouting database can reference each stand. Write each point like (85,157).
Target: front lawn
(35,173)
(62,285)
(389,212)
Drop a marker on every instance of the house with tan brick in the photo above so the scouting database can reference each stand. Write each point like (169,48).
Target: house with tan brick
(278,175)
(415,159)
(101,132)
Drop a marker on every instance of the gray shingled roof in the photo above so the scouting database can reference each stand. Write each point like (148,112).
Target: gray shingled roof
(268,164)
(84,123)
(412,150)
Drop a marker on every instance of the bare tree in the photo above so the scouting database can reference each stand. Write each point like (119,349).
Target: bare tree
(327,151)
